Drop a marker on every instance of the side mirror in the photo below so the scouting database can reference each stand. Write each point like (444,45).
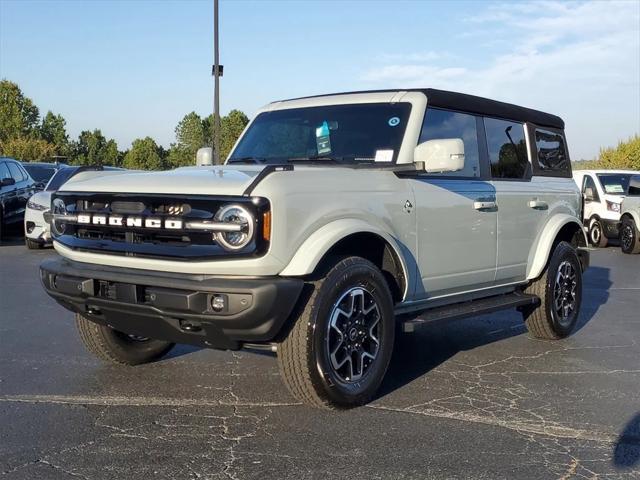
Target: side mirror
(204,157)
(39,186)
(441,155)
(588,194)
(7,181)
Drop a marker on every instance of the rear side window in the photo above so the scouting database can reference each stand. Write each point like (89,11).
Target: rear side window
(443,124)
(552,153)
(507,149)
(16,172)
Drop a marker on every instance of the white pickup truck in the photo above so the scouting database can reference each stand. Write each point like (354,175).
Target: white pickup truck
(335,222)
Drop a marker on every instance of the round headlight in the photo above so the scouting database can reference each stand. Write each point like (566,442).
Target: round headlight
(238,215)
(58,207)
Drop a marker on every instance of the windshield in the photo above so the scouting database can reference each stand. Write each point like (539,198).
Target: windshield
(59,178)
(355,133)
(39,173)
(614,183)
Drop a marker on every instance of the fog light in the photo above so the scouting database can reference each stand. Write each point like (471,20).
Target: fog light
(218,303)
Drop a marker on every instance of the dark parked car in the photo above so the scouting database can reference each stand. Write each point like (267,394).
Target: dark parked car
(16,187)
(42,172)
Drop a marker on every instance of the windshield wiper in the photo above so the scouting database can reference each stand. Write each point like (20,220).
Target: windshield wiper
(317,158)
(247,160)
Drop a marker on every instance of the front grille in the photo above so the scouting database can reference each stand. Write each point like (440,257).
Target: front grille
(170,216)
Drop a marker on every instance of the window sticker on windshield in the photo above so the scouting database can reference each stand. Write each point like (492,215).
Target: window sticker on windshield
(394,121)
(323,140)
(384,156)
(614,188)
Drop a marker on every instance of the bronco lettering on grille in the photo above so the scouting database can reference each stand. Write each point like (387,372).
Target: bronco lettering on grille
(120,221)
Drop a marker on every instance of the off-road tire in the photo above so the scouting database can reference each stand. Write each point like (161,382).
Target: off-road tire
(543,322)
(32,244)
(302,356)
(112,346)
(597,237)
(629,227)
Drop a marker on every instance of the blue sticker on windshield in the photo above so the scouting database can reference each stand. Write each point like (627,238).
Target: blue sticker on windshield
(393,121)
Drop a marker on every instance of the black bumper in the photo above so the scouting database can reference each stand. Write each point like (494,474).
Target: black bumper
(174,307)
(611,228)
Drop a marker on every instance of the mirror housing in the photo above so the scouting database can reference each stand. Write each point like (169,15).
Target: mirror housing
(204,157)
(588,194)
(7,181)
(440,155)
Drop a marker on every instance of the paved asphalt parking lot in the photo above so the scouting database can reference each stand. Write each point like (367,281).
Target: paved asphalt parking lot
(473,398)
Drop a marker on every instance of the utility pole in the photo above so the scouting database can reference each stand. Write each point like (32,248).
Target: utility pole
(217,73)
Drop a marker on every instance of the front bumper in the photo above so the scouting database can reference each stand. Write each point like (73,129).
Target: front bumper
(610,228)
(174,307)
(36,226)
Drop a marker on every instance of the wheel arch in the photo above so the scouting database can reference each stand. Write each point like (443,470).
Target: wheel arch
(635,216)
(353,237)
(560,228)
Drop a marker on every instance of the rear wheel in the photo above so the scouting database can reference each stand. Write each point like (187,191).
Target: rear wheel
(629,236)
(560,292)
(338,350)
(116,347)
(597,237)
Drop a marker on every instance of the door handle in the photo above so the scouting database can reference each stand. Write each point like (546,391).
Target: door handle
(538,204)
(484,205)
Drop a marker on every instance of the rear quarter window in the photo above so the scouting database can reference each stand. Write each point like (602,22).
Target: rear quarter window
(551,153)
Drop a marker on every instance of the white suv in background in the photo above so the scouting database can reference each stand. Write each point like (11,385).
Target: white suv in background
(603,192)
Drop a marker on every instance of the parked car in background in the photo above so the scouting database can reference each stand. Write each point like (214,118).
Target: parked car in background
(42,172)
(36,227)
(603,192)
(16,186)
(630,218)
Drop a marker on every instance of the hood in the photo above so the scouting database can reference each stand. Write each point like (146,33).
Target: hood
(42,198)
(218,180)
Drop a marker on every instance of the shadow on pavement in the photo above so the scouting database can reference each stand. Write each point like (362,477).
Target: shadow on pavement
(626,453)
(417,354)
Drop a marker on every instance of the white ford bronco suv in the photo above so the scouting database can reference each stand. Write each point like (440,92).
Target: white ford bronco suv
(334,223)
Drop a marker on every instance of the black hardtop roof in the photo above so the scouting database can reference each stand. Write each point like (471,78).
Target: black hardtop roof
(473,104)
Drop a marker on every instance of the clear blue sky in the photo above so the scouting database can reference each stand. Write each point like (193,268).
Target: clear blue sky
(134,68)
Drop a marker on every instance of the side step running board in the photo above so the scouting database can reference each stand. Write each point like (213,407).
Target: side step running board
(471,308)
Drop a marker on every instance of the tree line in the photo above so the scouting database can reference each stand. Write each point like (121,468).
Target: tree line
(26,136)
(626,155)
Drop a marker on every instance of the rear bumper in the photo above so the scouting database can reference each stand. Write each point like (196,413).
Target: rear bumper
(174,307)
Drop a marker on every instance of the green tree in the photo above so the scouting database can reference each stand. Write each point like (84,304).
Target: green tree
(92,148)
(190,136)
(143,155)
(231,126)
(28,149)
(625,156)
(53,130)
(18,114)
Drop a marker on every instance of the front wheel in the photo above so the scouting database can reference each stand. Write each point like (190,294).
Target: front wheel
(629,236)
(113,346)
(560,291)
(339,348)
(597,238)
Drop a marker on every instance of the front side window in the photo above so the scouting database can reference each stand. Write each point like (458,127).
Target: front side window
(4,171)
(614,183)
(355,133)
(507,149)
(16,172)
(552,154)
(634,186)
(443,124)
(590,183)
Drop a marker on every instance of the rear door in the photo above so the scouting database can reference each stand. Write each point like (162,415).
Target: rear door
(522,206)
(9,197)
(456,222)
